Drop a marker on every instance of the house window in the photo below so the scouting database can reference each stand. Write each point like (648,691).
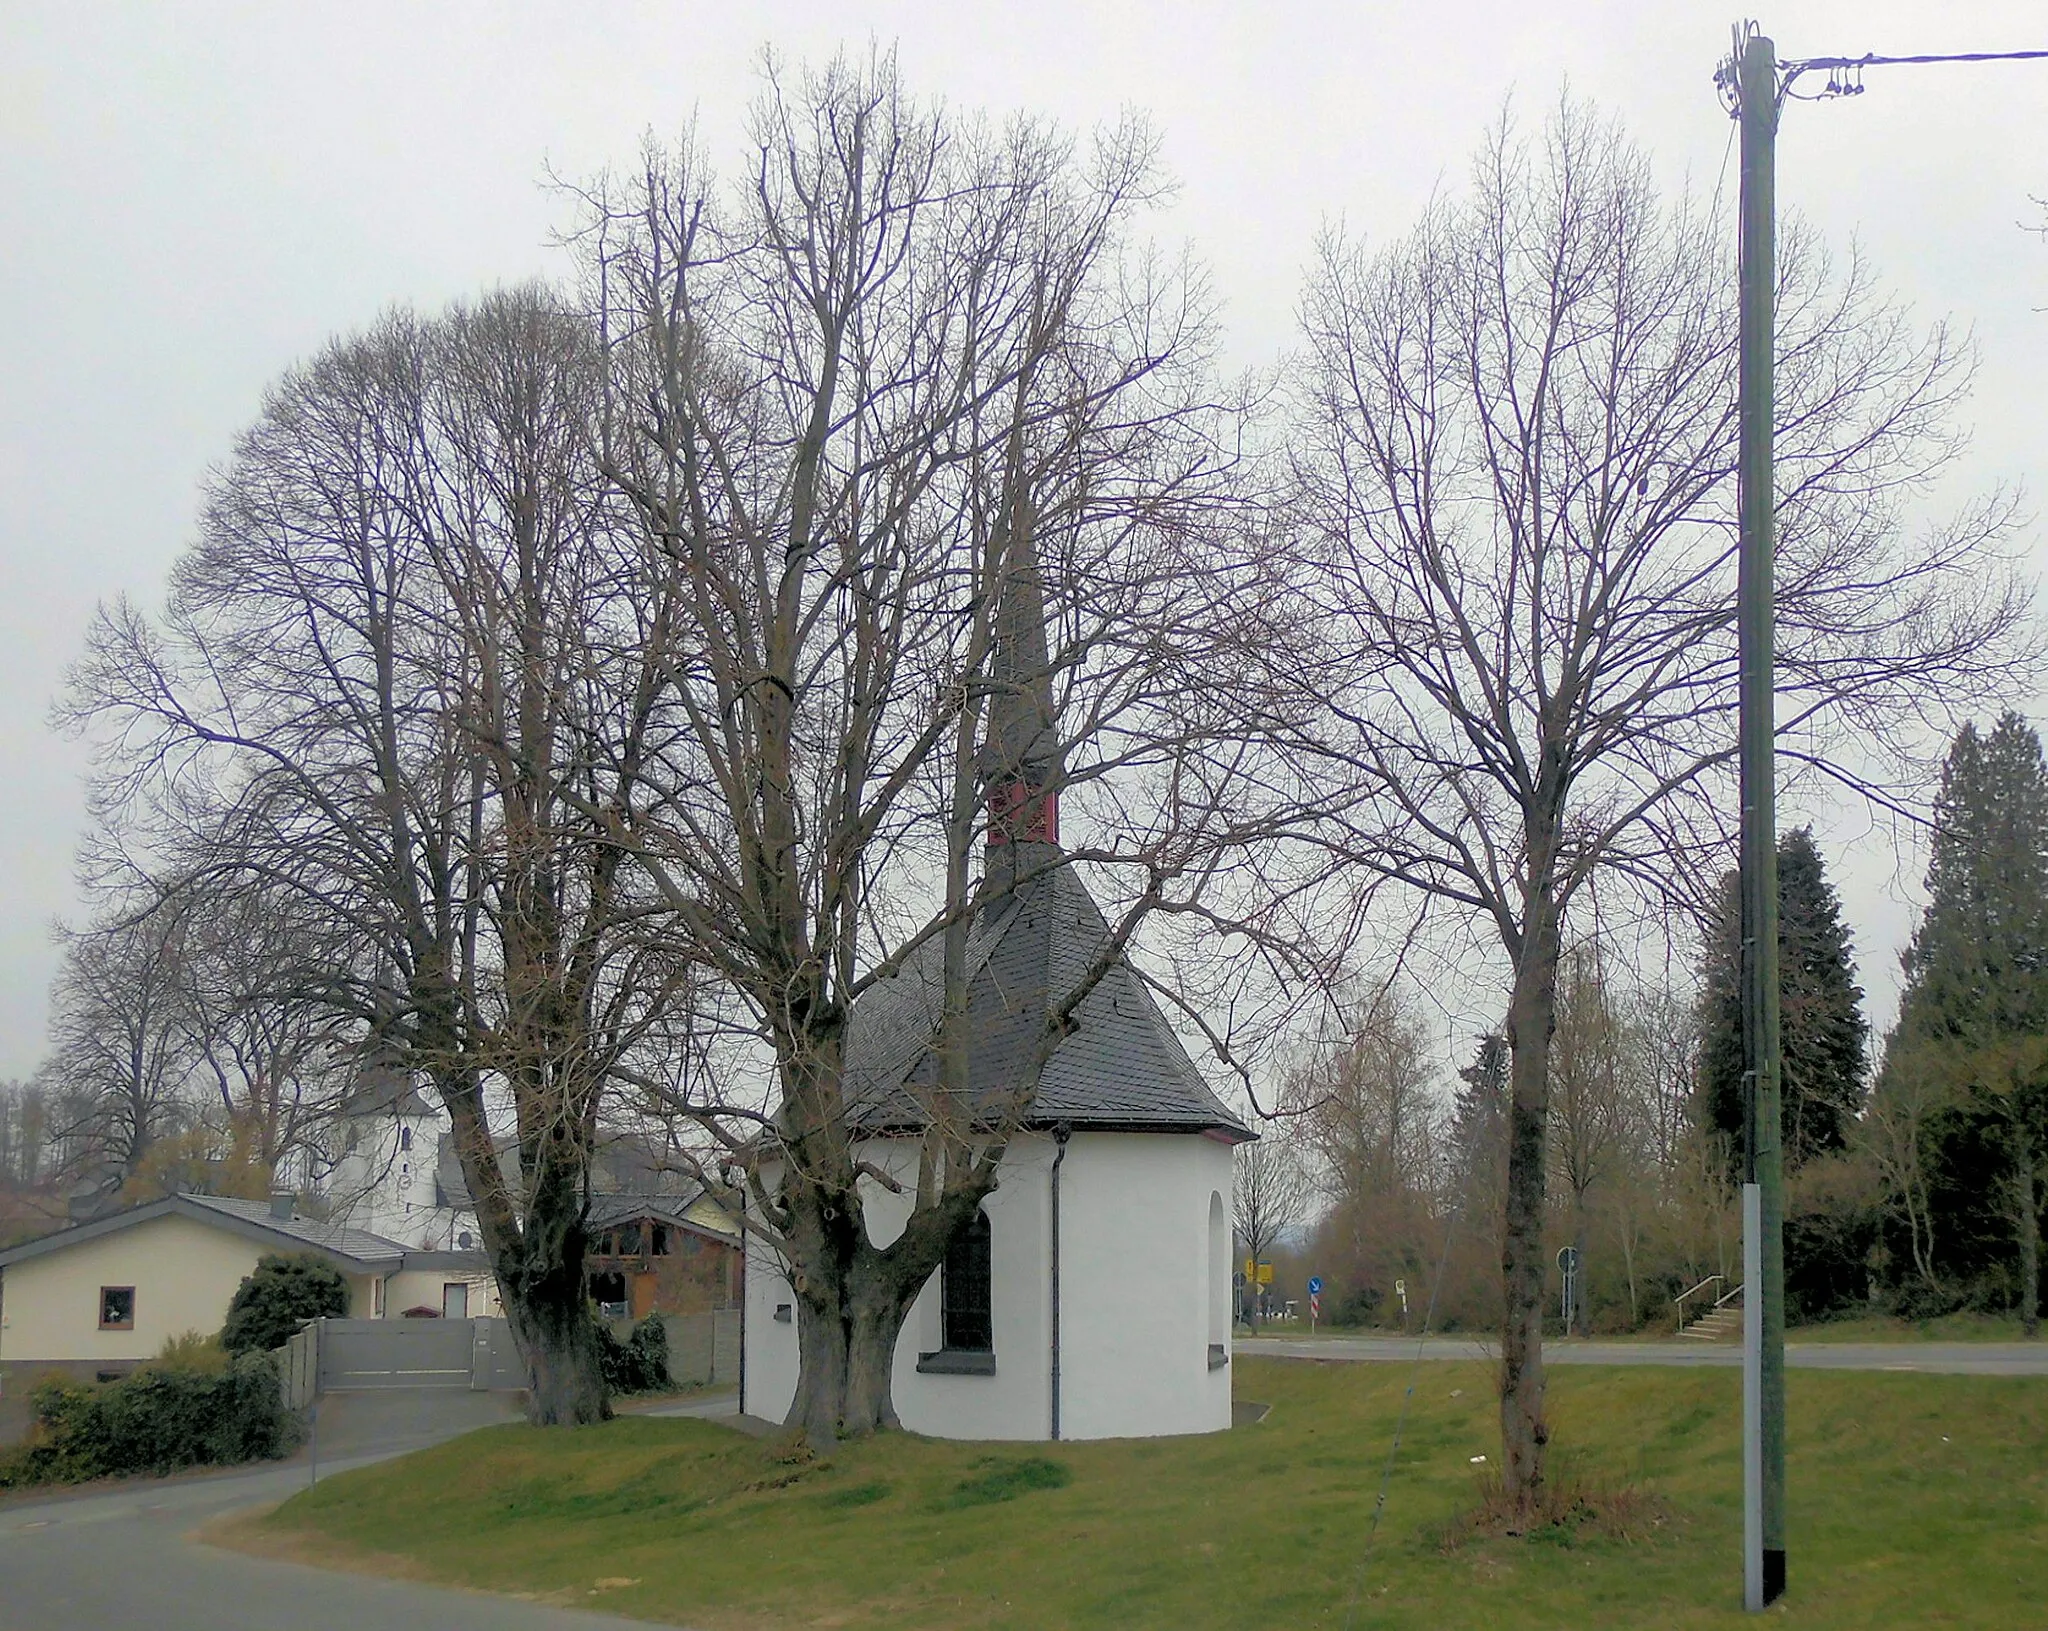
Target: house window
(405,1138)
(117,1308)
(966,1322)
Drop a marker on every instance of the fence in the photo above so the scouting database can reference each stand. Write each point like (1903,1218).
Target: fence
(704,1349)
(350,1355)
(298,1365)
(477,1354)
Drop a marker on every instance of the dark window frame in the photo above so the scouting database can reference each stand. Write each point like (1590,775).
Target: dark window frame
(967,1290)
(117,1291)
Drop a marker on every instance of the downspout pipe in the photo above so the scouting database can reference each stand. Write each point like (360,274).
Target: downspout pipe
(1060,1134)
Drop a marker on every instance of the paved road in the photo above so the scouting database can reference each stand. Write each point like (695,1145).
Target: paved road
(1947,1358)
(106,1562)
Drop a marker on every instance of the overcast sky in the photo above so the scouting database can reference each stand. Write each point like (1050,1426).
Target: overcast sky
(192,197)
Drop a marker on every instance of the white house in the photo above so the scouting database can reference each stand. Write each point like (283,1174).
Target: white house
(1091,1298)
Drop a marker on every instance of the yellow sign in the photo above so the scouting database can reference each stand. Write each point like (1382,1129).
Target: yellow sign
(1265,1274)
(1258,1273)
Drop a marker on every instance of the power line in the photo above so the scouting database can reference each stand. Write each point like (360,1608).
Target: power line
(1845,74)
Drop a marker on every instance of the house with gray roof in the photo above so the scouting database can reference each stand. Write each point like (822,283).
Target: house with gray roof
(100,1297)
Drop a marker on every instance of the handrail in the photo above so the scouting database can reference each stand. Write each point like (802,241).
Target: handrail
(1728,1297)
(1678,1302)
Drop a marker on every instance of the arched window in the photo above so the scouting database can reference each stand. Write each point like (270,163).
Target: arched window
(405,1138)
(1219,1281)
(967,1321)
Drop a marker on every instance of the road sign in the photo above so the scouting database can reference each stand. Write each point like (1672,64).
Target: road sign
(1315,1308)
(1315,1285)
(1568,1283)
(1265,1274)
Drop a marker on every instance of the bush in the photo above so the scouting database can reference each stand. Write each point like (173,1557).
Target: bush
(1355,1307)
(189,1351)
(640,1363)
(154,1420)
(286,1291)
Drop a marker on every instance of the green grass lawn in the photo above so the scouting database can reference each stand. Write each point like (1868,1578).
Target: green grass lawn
(1886,1328)
(1915,1501)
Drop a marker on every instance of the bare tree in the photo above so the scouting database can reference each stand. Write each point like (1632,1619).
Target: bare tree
(121,1048)
(922,441)
(1516,454)
(1590,1104)
(1270,1195)
(406,681)
(1372,1122)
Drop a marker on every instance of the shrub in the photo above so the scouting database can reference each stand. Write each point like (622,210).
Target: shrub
(286,1290)
(640,1363)
(154,1420)
(189,1351)
(1355,1307)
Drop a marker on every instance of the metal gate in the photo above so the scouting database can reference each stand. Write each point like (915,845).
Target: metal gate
(474,1354)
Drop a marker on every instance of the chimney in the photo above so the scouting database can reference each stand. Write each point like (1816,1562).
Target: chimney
(282,1204)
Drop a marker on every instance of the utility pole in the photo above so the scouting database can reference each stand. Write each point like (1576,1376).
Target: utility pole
(1763,1295)
(1756,84)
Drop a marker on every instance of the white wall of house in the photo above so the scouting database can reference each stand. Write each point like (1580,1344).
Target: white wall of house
(184,1273)
(1143,1273)
(427,1288)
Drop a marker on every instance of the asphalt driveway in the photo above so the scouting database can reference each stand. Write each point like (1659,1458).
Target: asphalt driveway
(126,1558)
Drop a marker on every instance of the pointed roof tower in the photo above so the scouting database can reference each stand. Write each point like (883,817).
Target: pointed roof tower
(1020,755)
(1036,934)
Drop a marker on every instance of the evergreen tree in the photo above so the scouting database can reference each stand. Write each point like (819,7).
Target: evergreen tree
(286,1290)
(1974,1014)
(1823,1035)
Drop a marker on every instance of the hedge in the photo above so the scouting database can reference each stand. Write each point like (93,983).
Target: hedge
(640,1363)
(286,1290)
(154,1420)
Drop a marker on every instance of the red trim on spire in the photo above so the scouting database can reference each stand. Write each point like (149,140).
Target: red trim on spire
(1023,814)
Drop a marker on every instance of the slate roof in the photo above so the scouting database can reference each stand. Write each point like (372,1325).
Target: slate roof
(327,1237)
(1122,1068)
(620,1166)
(380,1090)
(606,1210)
(358,1248)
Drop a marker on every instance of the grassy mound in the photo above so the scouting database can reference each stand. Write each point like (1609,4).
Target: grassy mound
(1916,1500)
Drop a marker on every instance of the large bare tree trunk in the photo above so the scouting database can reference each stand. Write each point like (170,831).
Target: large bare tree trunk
(851,1301)
(1532,1017)
(552,1323)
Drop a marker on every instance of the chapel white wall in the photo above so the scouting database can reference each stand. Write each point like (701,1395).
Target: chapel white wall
(1138,1279)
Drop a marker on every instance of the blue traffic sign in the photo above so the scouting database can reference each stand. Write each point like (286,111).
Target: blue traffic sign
(1315,1284)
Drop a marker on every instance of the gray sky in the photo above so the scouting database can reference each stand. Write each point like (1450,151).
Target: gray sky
(193,197)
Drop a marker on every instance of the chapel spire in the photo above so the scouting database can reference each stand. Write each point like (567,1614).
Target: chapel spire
(1020,757)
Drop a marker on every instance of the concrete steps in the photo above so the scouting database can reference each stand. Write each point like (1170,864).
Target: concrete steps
(1723,1324)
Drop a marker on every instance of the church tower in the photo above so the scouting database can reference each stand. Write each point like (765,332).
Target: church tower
(1020,762)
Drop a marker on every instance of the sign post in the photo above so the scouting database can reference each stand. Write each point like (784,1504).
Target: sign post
(1568,1283)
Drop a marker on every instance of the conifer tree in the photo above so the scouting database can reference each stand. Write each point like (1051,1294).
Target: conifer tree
(1824,1036)
(1975,1008)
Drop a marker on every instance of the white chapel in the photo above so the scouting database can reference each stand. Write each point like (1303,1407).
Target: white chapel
(1090,1298)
